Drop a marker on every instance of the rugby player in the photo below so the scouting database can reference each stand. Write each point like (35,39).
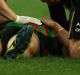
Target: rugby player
(73,41)
(10,15)
(7,15)
(34,38)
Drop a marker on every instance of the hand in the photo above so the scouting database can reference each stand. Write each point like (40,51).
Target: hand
(27,19)
(50,23)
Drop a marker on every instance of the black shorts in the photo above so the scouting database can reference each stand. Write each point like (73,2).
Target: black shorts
(49,45)
(75,24)
(57,13)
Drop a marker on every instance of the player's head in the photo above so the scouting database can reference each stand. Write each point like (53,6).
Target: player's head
(26,39)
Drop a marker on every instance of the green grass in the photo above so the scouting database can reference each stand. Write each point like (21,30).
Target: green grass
(38,65)
(33,8)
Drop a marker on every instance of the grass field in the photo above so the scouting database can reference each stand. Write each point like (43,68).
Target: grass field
(33,8)
(38,65)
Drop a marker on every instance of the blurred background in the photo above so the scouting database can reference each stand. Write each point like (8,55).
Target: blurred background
(33,8)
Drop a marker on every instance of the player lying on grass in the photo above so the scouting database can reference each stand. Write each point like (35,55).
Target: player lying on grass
(72,42)
(8,31)
(39,36)
(8,15)
(32,47)
(25,40)
(42,33)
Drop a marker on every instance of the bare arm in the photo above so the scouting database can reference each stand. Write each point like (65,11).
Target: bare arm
(63,34)
(11,15)
(6,11)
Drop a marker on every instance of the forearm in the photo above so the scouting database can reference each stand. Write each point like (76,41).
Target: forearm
(63,34)
(6,11)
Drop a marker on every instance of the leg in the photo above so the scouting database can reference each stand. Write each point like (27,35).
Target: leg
(57,13)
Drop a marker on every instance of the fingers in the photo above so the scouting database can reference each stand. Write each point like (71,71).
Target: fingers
(45,21)
(48,22)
